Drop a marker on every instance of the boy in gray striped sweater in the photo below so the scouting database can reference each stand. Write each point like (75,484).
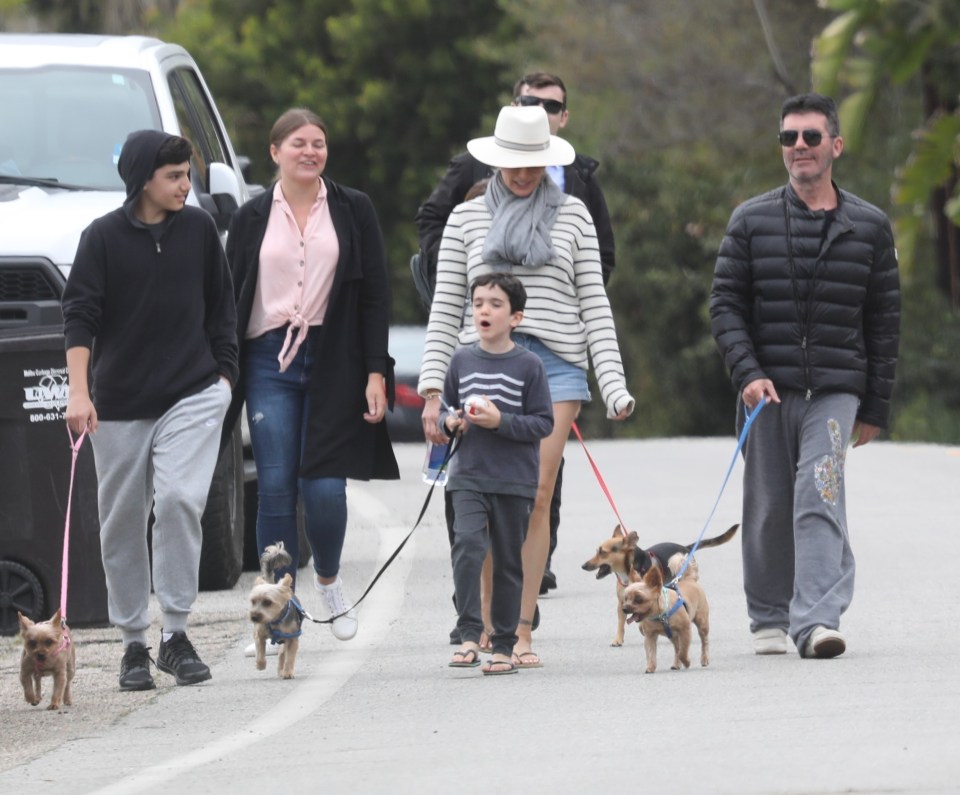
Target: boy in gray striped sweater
(498,401)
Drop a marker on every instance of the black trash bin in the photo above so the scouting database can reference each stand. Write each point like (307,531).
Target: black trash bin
(35,460)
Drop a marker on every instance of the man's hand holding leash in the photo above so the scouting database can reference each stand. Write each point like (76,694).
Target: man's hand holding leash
(761,389)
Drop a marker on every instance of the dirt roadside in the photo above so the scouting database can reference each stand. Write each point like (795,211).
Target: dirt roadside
(218,623)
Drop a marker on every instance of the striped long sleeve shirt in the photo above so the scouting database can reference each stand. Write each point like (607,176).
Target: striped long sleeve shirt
(567,305)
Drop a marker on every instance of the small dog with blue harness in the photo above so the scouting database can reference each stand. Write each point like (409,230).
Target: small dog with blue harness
(275,612)
(669,609)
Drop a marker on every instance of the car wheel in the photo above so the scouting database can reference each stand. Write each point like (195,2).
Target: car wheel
(221,557)
(20,591)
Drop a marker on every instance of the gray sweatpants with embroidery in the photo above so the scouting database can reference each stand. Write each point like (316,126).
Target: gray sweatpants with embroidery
(166,463)
(798,567)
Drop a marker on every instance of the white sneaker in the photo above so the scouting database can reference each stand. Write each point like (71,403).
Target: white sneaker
(824,643)
(272,649)
(770,641)
(344,627)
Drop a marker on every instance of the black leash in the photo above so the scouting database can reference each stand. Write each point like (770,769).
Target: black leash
(452,447)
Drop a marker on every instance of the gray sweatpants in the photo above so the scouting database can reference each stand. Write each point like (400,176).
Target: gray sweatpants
(798,568)
(498,522)
(168,464)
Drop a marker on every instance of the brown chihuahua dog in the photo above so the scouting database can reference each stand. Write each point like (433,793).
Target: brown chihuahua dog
(622,556)
(275,612)
(669,611)
(47,651)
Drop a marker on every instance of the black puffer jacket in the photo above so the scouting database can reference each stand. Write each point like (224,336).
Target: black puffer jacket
(829,321)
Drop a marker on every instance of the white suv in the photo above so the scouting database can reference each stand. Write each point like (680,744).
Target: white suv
(68,103)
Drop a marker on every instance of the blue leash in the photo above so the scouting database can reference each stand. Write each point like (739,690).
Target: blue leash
(751,416)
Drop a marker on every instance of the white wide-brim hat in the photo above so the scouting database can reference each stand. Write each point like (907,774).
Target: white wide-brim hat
(522,139)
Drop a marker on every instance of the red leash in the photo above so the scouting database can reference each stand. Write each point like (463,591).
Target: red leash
(600,480)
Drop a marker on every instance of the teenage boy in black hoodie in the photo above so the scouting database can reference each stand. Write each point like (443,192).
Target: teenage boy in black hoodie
(149,296)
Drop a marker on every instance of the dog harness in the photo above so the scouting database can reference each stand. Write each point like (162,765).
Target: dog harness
(666,615)
(277,635)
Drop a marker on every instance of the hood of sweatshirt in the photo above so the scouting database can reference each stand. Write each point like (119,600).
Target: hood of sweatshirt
(137,157)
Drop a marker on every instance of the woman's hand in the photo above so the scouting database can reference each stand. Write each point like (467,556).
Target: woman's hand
(432,431)
(376,393)
(625,412)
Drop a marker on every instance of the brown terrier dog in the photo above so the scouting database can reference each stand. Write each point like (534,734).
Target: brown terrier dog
(669,611)
(47,651)
(623,556)
(275,612)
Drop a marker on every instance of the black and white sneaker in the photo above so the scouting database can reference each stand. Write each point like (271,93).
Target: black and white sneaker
(135,668)
(178,657)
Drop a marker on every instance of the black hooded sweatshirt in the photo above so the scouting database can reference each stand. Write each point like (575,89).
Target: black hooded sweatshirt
(154,303)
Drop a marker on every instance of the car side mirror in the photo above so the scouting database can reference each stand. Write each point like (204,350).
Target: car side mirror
(224,190)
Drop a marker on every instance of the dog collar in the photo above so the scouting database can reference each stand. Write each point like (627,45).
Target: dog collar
(277,634)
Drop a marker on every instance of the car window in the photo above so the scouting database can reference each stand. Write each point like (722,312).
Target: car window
(197,123)
(406,347)
(69,123)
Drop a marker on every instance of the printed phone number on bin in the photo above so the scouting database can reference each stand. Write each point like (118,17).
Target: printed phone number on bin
(50,416)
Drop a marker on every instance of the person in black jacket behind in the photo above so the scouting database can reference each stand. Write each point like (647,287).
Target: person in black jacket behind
(805,308)
(578,179)
(313,314)
(149,294)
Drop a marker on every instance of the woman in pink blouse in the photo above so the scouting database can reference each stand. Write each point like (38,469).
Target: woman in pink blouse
(313,304)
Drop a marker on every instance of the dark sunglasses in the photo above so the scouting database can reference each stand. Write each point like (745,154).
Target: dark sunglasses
(551,106)
(810,137)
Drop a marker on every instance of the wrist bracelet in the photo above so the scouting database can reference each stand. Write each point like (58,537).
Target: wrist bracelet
(432,396)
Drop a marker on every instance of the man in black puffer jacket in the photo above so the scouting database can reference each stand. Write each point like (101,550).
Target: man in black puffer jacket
(805,308)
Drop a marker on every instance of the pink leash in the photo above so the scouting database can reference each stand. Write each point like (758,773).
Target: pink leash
(65,565)
(600,480)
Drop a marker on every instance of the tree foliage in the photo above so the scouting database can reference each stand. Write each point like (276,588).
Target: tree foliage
(401,86)
(874,42)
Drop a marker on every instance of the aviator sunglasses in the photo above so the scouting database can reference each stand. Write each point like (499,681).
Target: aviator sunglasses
(810,137)
(551,106)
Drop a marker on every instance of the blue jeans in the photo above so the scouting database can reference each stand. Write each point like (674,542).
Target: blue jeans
(278,407)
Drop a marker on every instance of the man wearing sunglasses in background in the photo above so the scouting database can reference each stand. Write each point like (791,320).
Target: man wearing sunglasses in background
(578,179)
(805,308)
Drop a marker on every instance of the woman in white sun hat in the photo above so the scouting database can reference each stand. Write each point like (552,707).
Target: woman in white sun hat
(526,225)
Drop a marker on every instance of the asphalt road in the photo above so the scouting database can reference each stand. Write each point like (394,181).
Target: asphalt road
(383,713)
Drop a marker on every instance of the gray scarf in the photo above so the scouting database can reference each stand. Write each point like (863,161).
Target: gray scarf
(520,231)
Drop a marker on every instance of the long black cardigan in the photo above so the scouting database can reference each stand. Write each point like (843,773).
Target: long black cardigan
(351,344)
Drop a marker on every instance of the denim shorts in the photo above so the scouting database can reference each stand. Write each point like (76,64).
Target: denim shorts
(566,380)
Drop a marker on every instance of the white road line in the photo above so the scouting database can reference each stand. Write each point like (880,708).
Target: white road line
(380,608)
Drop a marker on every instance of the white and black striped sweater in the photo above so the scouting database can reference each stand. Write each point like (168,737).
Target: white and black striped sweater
(567,306)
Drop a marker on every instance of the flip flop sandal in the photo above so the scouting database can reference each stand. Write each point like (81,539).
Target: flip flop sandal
(469,659)
(488,669)
(528,659)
